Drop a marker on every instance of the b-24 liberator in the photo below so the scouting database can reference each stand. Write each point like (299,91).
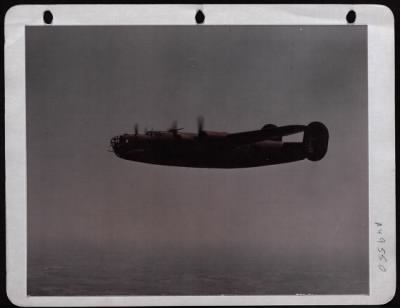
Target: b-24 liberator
(210,149)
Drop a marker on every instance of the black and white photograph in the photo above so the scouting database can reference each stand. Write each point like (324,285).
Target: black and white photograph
(198,160)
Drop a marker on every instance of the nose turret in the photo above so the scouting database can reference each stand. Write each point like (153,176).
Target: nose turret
(119,143)
(114,142)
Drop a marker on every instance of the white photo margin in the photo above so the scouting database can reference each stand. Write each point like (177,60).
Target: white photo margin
(381,134)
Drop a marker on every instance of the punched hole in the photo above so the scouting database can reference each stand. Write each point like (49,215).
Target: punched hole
(351,17)
(47,17)
(199,17)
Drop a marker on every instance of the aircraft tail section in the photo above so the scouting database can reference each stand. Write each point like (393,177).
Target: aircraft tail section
(315,141)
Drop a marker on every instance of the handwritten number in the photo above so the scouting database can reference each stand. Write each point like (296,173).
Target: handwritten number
(382,257)
(381,251)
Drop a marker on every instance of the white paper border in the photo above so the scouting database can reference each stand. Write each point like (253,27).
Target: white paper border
(381,130)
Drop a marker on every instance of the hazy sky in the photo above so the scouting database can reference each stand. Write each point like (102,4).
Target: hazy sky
(87,84)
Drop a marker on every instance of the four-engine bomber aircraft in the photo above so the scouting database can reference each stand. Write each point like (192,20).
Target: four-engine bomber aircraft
(208,149)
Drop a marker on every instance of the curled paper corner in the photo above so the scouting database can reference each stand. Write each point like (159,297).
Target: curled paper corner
(15,20)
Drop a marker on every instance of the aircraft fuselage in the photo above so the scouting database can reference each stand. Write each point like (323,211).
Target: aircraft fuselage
(213,150)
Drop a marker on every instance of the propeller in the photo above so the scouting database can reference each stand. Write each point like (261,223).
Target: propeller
(174,126)
(200,125)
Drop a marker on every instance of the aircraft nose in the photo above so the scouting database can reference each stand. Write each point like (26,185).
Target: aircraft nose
(114,141)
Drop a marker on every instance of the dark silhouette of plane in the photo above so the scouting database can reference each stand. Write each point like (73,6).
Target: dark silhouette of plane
(208,149)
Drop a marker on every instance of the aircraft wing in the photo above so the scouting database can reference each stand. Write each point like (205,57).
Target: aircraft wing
(263,134)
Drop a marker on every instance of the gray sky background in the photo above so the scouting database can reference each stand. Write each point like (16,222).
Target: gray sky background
(87,84)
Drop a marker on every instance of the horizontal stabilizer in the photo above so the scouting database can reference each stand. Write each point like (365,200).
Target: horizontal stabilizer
(264,134)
